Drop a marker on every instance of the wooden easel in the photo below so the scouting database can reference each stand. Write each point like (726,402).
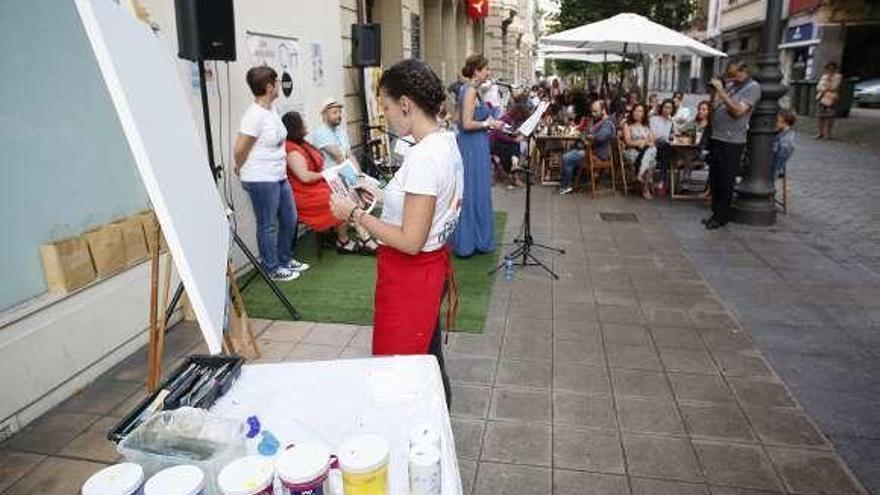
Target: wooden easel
(239,339)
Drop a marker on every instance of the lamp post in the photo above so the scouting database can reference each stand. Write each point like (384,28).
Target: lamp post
(754,203)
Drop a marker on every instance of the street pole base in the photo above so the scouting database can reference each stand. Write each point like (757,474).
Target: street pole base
(750,212)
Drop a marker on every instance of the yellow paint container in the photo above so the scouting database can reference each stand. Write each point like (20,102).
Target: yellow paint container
(364,463)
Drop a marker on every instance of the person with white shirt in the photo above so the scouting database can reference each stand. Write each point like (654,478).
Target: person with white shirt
(421,208)
(261,165)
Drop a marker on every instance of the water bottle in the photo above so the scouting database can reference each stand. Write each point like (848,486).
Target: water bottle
(508,268)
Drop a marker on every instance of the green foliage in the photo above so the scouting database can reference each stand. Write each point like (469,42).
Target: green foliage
(675,14)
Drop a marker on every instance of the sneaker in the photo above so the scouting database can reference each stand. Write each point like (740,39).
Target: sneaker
(283,274)
(297,266)
(567,190)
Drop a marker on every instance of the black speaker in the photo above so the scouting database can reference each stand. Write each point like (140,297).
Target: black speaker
(366,45)
(205,29)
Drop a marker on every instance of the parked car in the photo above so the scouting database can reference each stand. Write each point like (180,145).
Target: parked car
(867,92)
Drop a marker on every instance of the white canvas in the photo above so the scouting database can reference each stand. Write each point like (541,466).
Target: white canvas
(141,75)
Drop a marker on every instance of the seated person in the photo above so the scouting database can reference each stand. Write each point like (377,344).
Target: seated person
(331,137)
(505,148)
(311,192)
(600,136)
(661,127)
(783,143)
(702,122)
(639,150)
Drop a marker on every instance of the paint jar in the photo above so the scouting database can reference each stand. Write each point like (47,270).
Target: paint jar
(126,478)
(424,434)
(303,469)
(364,462)
(424,470)
(177,480)
(252,475)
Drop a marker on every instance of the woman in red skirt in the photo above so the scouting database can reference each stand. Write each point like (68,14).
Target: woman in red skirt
(420,209)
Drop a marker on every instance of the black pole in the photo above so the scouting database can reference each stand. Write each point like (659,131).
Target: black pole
(754,203)
(209,139)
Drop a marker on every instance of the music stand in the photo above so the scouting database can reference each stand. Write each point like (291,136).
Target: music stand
(522,255)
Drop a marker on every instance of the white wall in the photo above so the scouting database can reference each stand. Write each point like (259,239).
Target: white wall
(50,354)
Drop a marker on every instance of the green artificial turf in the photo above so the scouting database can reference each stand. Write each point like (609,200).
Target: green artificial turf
(339,289)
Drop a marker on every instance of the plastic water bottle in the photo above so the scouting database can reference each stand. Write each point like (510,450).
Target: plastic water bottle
(508,268)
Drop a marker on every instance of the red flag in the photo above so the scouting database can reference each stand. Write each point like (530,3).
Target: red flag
(477,9)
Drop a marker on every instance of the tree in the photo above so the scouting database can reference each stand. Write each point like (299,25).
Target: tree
(674,14)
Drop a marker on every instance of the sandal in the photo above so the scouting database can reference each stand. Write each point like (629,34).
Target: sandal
(347,247)
(368,247)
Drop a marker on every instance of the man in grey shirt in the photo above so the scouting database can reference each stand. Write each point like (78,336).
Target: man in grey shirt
(732,104)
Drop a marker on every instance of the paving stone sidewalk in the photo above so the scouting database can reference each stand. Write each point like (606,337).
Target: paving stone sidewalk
(627,376)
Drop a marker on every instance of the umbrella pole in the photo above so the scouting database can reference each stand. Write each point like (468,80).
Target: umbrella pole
(603,91)
(644,77)
(622,70)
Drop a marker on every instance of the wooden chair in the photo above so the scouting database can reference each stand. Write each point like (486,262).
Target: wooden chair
(593,166)
(617,156)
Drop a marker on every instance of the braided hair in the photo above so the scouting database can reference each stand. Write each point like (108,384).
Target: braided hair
(415,80)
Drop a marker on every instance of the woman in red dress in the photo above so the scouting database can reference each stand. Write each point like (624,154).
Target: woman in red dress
(311,192)
(420,210)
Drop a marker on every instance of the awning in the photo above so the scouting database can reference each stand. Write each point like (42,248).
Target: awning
(798,44)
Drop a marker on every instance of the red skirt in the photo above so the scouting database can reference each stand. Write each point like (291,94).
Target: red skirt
(409,289)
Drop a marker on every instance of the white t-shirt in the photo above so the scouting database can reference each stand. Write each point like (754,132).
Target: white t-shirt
(432,167)
(267,161)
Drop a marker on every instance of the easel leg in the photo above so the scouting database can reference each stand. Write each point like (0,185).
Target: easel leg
(154,360)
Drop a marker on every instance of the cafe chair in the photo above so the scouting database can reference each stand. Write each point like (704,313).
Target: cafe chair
(594,167)
(627,177)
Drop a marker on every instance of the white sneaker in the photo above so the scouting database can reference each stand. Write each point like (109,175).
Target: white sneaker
(297,266)
(283,274)
(567,190)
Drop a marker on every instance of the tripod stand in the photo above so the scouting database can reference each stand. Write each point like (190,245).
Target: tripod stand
(215,173)
(522,255)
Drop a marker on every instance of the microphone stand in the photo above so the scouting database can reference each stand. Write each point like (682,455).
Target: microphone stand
(522,255)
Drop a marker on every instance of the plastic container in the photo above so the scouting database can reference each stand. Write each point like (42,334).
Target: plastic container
(364,462)
(121,479)
(424,470)
(186,436)
(252,475)
(303,469)
(177,480)
(424,434)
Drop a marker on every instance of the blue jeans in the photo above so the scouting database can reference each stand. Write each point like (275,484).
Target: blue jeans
(276,221)
(571,160)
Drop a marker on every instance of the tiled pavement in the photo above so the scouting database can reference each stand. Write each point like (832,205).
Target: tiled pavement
(626,376)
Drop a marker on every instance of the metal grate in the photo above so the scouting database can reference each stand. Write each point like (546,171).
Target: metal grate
(608,216)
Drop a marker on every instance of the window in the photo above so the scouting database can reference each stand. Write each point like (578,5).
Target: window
(415,35)
(744,45)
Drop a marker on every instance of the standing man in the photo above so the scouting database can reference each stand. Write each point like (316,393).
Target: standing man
(330,137)
(733,102)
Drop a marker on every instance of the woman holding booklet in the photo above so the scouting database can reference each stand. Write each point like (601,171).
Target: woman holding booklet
(304,166)
(420,210)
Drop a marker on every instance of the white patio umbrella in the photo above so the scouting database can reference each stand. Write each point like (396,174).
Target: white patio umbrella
(630,33)
(588,57)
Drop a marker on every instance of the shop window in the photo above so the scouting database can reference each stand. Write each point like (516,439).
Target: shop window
(415,35)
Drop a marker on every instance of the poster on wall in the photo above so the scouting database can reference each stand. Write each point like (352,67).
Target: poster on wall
(371,95)
(316,50)
(282,53)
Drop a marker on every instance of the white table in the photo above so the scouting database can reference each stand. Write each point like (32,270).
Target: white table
(330,401)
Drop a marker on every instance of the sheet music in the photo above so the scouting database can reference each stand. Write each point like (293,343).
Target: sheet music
(528,127)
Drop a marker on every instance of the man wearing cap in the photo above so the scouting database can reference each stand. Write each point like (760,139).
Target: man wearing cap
(330,137)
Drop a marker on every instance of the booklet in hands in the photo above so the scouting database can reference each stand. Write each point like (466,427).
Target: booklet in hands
(345,179)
